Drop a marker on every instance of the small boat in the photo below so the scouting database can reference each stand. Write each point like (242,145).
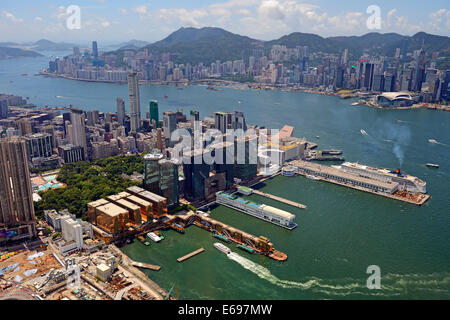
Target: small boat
(317,137)
(153,237)
(222,248)
(166,97)
(432,141)
(309,176)
(363,132)
(432,165)
(355,104)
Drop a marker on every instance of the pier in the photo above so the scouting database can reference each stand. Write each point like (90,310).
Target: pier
(145,266)
(190,255)
(286,201)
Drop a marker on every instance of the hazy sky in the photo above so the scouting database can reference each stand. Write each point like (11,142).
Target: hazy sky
(112,21)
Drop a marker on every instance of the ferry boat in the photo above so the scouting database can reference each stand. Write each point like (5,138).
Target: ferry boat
(222,248)
(432,165)
(311,177)
(363,132)
(261,211)
(405,181)
(153,237)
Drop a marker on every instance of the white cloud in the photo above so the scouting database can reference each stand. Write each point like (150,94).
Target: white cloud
(38,19)
(11,17)
(142,9)
(123,10)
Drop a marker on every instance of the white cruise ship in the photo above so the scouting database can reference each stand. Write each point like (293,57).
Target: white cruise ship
(261,211)
(222,248)
(406,182)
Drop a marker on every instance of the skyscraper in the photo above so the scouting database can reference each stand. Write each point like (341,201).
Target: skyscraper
(120,111)
(239,121)
(94,49)
(17,219)
(78,134)
(168,183)
(135,104)
(420,70)
(170,123)
(151,172)
(154,112)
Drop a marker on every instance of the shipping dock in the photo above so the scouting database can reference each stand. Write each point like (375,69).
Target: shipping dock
(261,211)
(388,183)
(247,191)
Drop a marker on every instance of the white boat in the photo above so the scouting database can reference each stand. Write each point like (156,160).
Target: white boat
(432,141)
(432,165)
(309,176)
(153,237)
(222,248)
(363,132)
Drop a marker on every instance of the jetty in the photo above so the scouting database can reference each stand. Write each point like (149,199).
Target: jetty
(145,266)
(190,255)
(286,201)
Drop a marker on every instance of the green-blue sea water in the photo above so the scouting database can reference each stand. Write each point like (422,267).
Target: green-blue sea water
(340,234)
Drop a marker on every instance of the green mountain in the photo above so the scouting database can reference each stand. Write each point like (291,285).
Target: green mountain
(7,53)
(192,45)
(47,45)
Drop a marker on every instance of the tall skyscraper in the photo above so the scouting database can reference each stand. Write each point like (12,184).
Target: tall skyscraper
(78,134)
(151,172)
(168,183)
(17,218)
(420,70)
(135,104)
(170,123)
(92,117)
(120,111)
(94,49)
(154,112)
(239,121)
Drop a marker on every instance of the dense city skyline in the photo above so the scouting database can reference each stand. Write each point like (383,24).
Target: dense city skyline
(110,22)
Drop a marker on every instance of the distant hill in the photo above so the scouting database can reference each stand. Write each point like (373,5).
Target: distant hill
(192,45)
(133,44)
(7,53)
(47,45)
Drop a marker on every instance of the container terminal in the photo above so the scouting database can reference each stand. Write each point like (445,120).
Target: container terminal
(388,183)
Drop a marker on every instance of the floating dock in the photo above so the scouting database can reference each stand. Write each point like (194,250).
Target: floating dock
(190,255)
(286,201)
(145,266)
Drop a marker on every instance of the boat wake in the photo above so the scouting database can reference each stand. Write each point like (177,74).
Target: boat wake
(391,285)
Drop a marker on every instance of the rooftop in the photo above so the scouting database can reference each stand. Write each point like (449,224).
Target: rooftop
(112,210)
(98,203)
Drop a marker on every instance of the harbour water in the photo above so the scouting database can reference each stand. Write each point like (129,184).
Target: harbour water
(340,234)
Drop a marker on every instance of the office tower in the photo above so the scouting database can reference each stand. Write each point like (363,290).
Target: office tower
(420,70)
(151,172)
(94,49)
(239,121)
(24,126)
(120,111)
(221,120)
(378,82)
(195,118)
(78,131)
(135,104)
(246,157)
(168,184)
(389,82)
(154,112)
(17,219)
(195,172)
(3,109)
(223,153)
(92,117)
(368,75)
(39,145)
(70,153)
(170,123)
(76,51)
(159,139)
(109,117)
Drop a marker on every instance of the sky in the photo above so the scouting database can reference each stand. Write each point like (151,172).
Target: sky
(115,21)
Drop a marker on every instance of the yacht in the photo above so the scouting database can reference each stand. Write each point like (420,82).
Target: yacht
(222,248)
